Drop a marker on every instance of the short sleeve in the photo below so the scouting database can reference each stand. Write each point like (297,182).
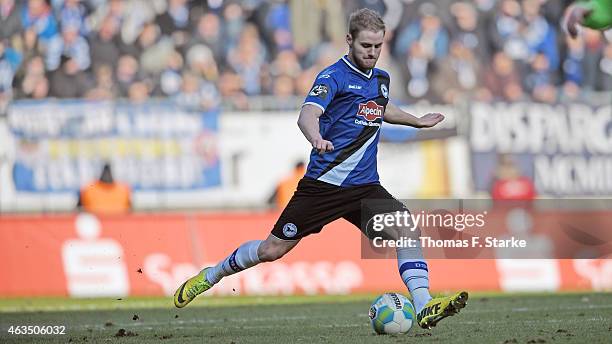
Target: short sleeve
(323,90)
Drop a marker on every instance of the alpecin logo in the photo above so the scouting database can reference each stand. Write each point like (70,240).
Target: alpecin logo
(370,111)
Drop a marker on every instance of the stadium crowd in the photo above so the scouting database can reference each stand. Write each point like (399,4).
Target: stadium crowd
(207,51)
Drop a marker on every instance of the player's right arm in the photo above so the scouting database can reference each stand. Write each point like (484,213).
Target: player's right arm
(309,125)
(321,94)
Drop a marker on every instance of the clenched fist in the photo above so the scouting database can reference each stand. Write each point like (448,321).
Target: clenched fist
(322,146)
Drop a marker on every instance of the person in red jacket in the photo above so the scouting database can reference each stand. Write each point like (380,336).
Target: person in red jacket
(510,183)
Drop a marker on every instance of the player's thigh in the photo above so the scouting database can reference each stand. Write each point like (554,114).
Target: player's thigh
(369,214)
(313,205)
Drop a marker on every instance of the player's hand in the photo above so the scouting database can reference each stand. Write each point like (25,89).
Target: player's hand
(573,17)
(322,146)
(430,119)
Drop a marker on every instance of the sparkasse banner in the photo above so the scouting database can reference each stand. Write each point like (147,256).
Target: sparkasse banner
(152,254)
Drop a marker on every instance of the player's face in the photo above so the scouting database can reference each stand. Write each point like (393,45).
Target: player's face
(365,48)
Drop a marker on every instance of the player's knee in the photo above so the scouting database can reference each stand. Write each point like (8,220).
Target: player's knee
(271,252)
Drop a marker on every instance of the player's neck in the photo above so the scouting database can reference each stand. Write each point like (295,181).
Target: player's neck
(352,60)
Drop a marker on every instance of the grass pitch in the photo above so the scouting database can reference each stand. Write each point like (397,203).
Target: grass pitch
(488,318)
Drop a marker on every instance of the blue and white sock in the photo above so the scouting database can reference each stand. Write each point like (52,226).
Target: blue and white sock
(242,258)
(413,270)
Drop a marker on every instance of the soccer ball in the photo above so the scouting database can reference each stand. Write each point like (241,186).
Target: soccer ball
(392,313)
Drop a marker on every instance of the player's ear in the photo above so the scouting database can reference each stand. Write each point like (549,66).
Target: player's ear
(349,39)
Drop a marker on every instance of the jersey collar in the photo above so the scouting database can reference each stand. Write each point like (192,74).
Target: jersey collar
(353,67)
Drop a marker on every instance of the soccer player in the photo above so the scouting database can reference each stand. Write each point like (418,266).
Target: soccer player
(341,118)
(594,14)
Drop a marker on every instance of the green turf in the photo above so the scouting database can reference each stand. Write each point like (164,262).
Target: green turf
(515,318)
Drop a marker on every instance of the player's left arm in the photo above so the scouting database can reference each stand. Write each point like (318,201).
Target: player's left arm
(395,115)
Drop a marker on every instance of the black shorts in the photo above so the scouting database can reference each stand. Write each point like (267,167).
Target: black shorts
(315,204)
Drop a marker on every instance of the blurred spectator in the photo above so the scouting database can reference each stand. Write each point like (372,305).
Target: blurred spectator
(457,75)
(553,10)
(283,92)
(105,44)
(325,55)
(234,21)
(10,19)
(104,88)
(34,81)
(27,43)
(570,92)
(230,87)
(284,89)
(572,64)
(278,26)
(5,99)
(287,186)
(170,77)
(605,65)
(72,14)
(323,17)
(41,89)
(153,49)
(9,63)
(126,74)
(247,59)
(138,92)
(505,30)
(467,31)
(318,59)
(69,44)
(485,5)
(201,61)
(37,16)
(134,15)
(69,81)
(286,63)
(175,22)
(208,33)
(105,196)
(503,80)
(175,19)
(428,31)
(538,34)
(545,93)
(510,183)
(538,72)
(113,9)
(593,47)
(419,72)
(197,94)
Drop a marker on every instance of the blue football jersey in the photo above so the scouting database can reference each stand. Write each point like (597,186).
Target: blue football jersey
(353,104)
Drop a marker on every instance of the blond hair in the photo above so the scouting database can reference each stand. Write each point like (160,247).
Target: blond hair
(365,19)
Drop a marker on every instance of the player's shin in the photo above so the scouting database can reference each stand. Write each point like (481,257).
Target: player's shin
(242,258)
(413,270)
